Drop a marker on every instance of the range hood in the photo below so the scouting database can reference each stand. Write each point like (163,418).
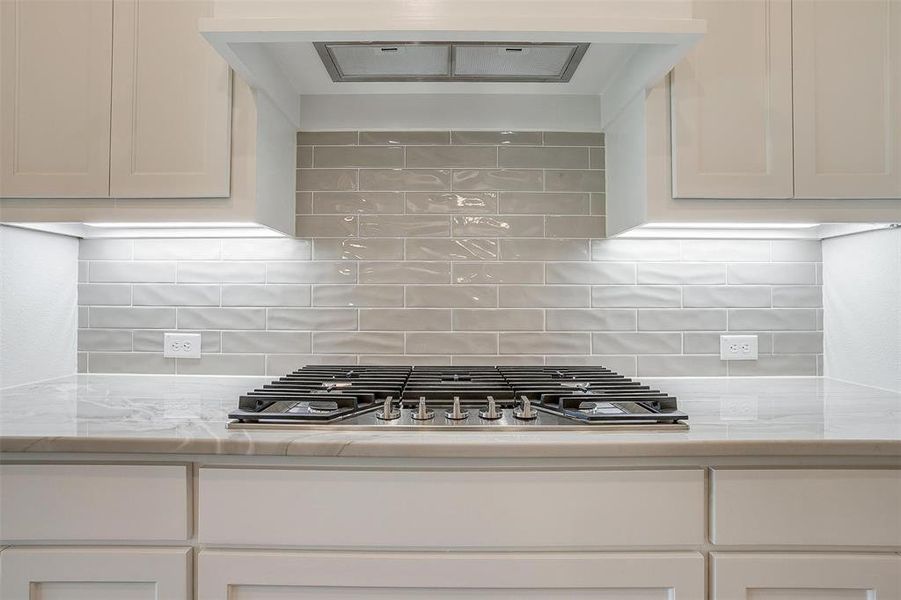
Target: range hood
(551,62)
(328,62)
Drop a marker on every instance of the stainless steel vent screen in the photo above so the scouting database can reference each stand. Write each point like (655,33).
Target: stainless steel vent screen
(451,61)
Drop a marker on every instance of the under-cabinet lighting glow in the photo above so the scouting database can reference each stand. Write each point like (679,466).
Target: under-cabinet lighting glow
(174,224)
(729,225)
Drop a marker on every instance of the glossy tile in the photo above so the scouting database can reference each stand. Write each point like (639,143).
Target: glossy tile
(451,202)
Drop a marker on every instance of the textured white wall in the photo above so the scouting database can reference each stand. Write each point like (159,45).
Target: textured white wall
(862,296)
(38,305)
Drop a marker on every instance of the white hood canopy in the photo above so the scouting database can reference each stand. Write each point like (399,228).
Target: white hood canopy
(595,53)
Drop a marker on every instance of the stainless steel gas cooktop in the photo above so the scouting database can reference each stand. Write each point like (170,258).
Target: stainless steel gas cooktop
(458,398)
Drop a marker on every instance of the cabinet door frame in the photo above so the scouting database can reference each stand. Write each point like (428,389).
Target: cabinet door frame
(93,181)
(734,574)
(127,177)
(691,179)
(680,573)
(810,180)
(170,569)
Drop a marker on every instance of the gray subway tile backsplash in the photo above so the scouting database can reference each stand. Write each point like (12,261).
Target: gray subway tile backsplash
(438,247)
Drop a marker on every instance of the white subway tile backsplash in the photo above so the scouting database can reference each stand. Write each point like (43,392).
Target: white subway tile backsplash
(110,294)
(405,319)
(689,319)
(283,342)
(673,365)
(682,273)
(544,343)
(312,319)
(776,319)
(638,296)
(636,343)
(111,340)
(451,202)
(327,203)
(544,249)
(132,318)
(590,273)
(525,180)
(723,296)
(358,249)
(772,273)
(498,319)
(451,249)
(370,342)
(498,272)
(265,249)
(799,296)
(131,272)
(643,250)
(591,319)
(223,364)
(175,295)
(311,272)
(438,247)
(265,295)
(405,272)
(105,249)
(404,226)
(544,296)
(172,249)
(451,296)
(451,343)
(221,318)
(221,272)
(358,295)
(543,203)
(497,226)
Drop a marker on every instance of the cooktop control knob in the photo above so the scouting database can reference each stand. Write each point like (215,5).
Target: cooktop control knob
(491,413)
(525,411)
(388,412)
(423,412)
(456,413)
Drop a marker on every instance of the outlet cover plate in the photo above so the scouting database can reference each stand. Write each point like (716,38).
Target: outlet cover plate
(738,347)
(181,345)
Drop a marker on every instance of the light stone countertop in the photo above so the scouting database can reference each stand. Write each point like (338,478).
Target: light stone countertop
(788,416)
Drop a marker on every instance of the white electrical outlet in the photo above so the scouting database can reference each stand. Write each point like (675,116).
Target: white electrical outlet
(738,347)
(181,345)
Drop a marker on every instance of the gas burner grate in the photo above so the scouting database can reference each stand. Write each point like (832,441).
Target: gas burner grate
(512,397)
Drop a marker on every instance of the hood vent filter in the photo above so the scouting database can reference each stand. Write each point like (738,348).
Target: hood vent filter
(451,61)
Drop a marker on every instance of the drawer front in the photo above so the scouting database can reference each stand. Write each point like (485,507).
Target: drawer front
(94,502)
(840,507)
(451,509)
(286,575)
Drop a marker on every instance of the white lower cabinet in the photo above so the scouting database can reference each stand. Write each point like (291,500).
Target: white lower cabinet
(110,573)
(738,576)
(250,575)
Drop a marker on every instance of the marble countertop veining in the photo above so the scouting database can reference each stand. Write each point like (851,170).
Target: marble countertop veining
(149,414)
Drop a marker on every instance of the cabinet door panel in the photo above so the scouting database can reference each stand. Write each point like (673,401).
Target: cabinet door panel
(95,573)
(732,105)
(847,98)
(171,103)
(805,576)
(55,97)
(242,575)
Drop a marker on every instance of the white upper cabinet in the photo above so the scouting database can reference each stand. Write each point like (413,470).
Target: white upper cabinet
(170,103)
(732,104)
(55,97)
(112,98)
(847,97)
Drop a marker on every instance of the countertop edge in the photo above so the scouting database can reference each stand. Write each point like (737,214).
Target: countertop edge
(372,446)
